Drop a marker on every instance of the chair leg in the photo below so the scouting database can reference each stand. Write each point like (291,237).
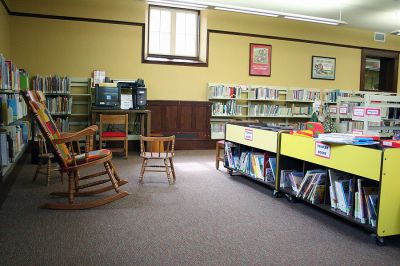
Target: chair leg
(48,170)
(217,156)
(70,188)
(114,170)
(172,168)
(126,149)
(167,170)
(144,163)
(62,177)
(112,178)
(76,180)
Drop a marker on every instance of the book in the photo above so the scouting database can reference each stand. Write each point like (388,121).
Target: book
(335,175)
(296,178)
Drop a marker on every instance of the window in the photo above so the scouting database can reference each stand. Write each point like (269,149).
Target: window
(173,32)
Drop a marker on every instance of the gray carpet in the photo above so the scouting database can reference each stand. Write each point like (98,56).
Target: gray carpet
(206,218)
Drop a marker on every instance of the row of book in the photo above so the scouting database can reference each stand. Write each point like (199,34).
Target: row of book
(12,78)
(267,109)
(12,140)
(303,95)
(257,165)
(59,105)
(52,84)
(62,124)
(228,108)
(223,91)
(332,96)
(218,127)
(13,108)
(355,197)
(361,194)
(263,93)
(349,126)
(302,110)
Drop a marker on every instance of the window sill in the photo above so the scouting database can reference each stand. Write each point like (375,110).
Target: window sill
(169,61)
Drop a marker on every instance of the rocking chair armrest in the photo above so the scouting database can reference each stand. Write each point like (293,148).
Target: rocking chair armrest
(70,137)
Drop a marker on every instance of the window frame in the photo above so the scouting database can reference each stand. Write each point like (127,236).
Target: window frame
(172,57)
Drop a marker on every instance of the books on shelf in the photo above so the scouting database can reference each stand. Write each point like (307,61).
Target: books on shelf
(59,105)
(269,110)
(62,124)
(303,95)
(263,93)
(13,108)
(12,78)
(231,155)
(302,110)
(226,91)
(52,84)
(291,179)
(17,136)
(229,108)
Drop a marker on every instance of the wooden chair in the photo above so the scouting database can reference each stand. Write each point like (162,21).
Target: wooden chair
(159,148)
(114,136)
(72,160)
(45,156)
(219,145)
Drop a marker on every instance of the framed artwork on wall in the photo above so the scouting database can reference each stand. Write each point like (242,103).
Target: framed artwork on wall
(323,68)
(260,60)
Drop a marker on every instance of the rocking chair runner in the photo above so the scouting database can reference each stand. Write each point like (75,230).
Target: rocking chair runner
(71,160)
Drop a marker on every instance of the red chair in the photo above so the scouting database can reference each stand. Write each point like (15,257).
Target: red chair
(114,136)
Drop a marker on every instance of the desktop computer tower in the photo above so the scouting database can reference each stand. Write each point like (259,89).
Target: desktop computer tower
(139,97)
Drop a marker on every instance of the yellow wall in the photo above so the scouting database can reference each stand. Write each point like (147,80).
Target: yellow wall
(4,32)
(77,48)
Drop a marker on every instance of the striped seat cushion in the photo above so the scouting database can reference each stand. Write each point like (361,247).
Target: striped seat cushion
(92,156)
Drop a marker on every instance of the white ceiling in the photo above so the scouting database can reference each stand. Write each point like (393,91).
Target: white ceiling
(375,15)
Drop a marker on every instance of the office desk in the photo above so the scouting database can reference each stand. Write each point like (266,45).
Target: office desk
(145,117)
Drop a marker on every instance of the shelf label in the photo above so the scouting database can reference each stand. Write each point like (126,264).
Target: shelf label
(373,111)
(358,111)
(333,109)
(248,134)
(343,110)
(322,150)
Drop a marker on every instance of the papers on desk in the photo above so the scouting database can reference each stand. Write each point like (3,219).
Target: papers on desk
(341,138)
(126,101)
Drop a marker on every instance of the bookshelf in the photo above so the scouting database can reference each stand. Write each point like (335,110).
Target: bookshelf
(81,103)
(252,153)
(281,105)
(349,109)
(375,167)
(371,200)
(15,129)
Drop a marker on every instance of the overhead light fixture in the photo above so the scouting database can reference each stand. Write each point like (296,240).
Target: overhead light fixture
(247,11)
(396,32)
(335,23)
(179,4)
(270,13)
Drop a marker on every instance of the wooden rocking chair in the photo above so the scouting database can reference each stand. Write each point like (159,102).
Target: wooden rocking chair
(71,160)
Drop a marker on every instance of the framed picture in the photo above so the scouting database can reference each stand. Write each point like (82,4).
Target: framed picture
(323,68)
(260,60)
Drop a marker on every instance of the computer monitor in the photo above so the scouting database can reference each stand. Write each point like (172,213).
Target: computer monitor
(108,95)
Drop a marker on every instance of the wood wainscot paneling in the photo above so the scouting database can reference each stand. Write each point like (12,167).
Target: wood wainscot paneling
(189,121)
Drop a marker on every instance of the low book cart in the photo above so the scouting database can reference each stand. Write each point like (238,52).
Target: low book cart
(372,165)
